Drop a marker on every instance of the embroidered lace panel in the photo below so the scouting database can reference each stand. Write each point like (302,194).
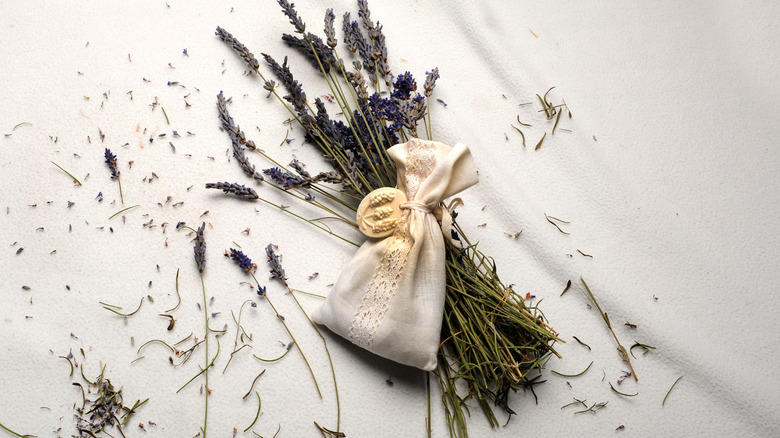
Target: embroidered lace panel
(392,265)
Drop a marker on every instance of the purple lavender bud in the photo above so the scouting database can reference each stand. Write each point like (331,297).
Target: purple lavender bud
(330,32)
(242,260)
(241,49)
(200,248)
(322,56)
(235,189)
(365,14)
(299,167)
(329,177)
(349,38)
(238,139)
(381,48)
(289,10)
(296,95)
(359,83)
(286,179)
(404,86)
(430,81)
(111,161)
(277,272)
(374,52)
(269,85)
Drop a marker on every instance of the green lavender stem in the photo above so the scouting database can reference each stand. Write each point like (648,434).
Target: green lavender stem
(281,318)
(121,197)
(14,433)
(330,360)
(206,370)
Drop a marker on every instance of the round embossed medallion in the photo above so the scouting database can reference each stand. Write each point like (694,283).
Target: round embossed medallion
(379,212)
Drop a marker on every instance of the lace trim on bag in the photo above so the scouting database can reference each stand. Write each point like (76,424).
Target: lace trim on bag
(392,265)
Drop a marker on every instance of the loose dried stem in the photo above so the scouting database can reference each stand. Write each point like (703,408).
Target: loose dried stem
(621,349)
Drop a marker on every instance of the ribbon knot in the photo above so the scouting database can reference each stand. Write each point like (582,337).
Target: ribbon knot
(416,205)
(442,213)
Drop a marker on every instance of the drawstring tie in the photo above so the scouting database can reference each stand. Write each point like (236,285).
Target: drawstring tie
(442,213)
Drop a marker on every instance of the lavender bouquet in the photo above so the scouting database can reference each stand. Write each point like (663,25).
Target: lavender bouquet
(491,341)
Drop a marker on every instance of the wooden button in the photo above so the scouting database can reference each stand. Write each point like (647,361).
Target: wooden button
(379,212)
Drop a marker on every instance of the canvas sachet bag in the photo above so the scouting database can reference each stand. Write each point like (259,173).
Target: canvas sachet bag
(389,299)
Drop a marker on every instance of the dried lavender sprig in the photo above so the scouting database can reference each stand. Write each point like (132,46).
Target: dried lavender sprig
(112,166)
(330,32)
(378,49)
(328,177)
(241,49)
(235,189)
(358,82)
(287,180)
(323,119)
(413,110)
(322,54)
(242,260)
(245,262)
(200,261)
(111,161)
(365,15)
(368,25)
(349,37)
(229,124)
(277,272)
(298,166)
(296,95)
(381,63)
(200,248)
(329,134)
(364,49)
(430,81)
(352,171)
(238,139)
(289,10)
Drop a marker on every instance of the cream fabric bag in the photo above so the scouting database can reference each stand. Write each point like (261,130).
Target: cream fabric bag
(389,299)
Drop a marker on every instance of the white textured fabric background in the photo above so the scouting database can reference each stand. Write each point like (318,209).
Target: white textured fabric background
(668,179)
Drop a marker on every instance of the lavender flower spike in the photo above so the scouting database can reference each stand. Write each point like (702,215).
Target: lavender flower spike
(234,188)
(277,272)
(430,81)
(237,138)
(242,260)
(330,32)
(111,161)
(200,248)
(241,49)
(289,10)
